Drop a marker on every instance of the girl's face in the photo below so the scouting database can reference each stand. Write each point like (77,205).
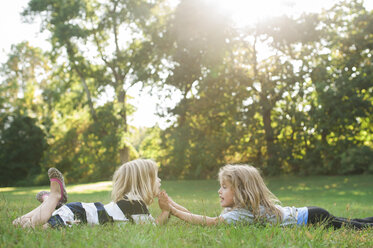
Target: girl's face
(226,195)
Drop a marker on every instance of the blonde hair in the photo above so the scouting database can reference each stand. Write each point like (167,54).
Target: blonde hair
(249,189)
(136,180)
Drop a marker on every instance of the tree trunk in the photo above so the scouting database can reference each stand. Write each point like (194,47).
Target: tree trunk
(272,163)
(72,59)
(124,151)
(89,99)
(124,155)
(268,130)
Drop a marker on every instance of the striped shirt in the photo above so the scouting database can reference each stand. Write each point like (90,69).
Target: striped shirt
(124,211)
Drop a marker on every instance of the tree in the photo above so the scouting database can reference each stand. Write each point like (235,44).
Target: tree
(25,116)
(342,106)
(22,144)
(107,44)
(26,74)
(195,44)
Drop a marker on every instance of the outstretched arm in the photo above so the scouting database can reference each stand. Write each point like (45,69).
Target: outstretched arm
(195,218)
(165,202)
(177,206)
(182,213)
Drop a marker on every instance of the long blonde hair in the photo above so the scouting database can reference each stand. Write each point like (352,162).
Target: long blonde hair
(249,189)
(136,180)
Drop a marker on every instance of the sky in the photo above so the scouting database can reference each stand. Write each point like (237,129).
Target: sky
(14,31)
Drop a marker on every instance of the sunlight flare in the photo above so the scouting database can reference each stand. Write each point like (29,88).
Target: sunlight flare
(245,12)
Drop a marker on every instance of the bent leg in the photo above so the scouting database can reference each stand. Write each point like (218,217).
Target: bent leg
(43,212)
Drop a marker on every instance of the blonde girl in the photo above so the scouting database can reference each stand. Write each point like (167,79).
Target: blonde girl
(135,184)
(246,199)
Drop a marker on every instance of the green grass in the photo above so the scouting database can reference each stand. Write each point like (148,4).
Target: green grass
(350,196)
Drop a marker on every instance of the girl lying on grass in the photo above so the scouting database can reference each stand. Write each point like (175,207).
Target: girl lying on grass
(135,184)
(247,199)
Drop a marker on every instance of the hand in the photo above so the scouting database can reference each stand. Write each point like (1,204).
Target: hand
(163,201)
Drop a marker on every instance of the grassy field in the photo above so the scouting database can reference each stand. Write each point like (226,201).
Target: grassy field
(350,196)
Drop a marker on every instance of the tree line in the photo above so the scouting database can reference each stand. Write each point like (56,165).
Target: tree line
(289,94)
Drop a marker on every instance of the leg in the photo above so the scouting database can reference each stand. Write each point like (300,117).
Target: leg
(320,215)
(352,223)
(365,220)
(43,195)
(42,213)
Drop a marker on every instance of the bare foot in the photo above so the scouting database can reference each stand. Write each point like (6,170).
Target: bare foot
(26,222)
(23,222)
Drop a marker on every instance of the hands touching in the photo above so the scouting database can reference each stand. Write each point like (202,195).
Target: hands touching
(165,207)
(167,204)
(164,201)
(168,207)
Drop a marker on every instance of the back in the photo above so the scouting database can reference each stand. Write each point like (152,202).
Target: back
(134,211)
(245,216)
(241,216)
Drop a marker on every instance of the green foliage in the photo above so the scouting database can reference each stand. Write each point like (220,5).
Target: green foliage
(294,109)
(357,160)
(150,146)
(22,144)
(88,150)
(113,61)
(198,35)
(289,95)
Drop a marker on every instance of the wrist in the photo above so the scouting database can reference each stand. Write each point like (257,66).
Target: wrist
(166,213)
